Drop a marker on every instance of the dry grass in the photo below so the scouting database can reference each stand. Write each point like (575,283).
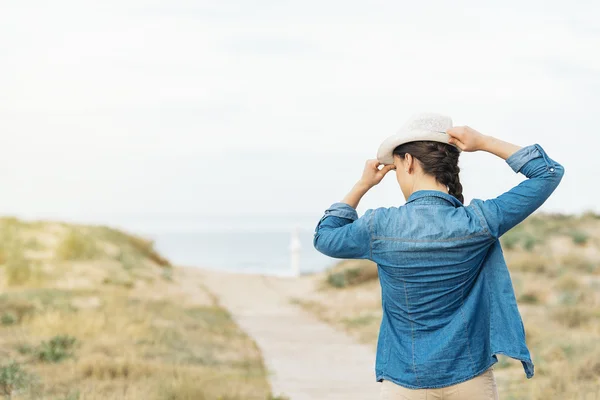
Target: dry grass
(87,313)
(78,245)
(18,270)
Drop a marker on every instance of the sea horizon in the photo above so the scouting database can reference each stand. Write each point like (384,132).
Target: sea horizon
(243,243)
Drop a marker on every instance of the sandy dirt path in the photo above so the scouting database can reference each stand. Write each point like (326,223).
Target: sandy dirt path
(306,358)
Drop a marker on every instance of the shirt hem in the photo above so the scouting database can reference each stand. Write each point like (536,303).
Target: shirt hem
(528,365)
(381,376)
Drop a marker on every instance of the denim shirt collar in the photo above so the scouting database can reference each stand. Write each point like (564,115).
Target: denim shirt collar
(420,194)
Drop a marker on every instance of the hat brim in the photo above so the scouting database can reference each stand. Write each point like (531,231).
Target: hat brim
(385,151)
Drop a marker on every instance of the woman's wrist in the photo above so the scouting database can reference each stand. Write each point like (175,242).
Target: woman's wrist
(362,186)
(359,189)
(486,143)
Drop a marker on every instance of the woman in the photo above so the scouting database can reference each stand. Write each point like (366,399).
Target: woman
(447,297)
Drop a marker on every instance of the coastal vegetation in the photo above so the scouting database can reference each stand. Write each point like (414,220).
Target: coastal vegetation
(90,312)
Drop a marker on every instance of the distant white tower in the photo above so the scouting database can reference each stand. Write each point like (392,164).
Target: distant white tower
(295,247)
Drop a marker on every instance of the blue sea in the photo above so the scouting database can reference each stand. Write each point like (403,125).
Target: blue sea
(249,244)
(251,252)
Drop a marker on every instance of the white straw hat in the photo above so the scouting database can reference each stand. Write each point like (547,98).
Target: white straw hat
(424,126)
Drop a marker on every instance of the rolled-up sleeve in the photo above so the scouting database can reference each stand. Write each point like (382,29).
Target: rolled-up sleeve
(340,233)
(522,156)
(510,208)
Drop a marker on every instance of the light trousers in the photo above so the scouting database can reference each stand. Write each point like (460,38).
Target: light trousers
(481,387)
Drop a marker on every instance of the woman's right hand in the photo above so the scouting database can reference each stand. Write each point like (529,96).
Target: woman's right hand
(466,138)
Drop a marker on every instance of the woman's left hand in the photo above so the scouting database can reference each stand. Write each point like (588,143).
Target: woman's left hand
(372,175)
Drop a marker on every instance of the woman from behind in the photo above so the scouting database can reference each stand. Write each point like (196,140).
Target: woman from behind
(447,297)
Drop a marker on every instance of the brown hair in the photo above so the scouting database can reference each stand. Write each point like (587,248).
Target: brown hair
(437,159)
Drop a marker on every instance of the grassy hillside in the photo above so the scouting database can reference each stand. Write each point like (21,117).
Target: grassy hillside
(94,313)
(554,261)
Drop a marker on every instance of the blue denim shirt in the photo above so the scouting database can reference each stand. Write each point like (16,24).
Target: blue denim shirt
(447,296)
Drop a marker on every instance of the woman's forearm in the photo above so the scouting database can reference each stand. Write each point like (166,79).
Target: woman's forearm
(498,147)
(371,176)
(357,192)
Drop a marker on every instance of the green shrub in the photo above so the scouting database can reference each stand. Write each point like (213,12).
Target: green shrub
(579,237)
(56,349)
(510,241)
(25,348)
(529,298)
(8,319)
(337,279)
(348,273)
(345,277)
(529,242)
(517,236)
(14,378)
(360,320)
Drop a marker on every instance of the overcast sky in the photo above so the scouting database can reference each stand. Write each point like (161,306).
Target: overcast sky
(244,107)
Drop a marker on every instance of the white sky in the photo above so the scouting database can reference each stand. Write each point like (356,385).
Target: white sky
(238,107)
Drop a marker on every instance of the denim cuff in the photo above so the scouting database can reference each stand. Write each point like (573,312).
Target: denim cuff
(522,156)
(343,210)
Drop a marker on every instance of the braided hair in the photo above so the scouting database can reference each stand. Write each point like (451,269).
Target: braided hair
(437,159)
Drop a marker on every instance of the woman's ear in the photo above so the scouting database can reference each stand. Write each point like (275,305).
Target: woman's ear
(408,163)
